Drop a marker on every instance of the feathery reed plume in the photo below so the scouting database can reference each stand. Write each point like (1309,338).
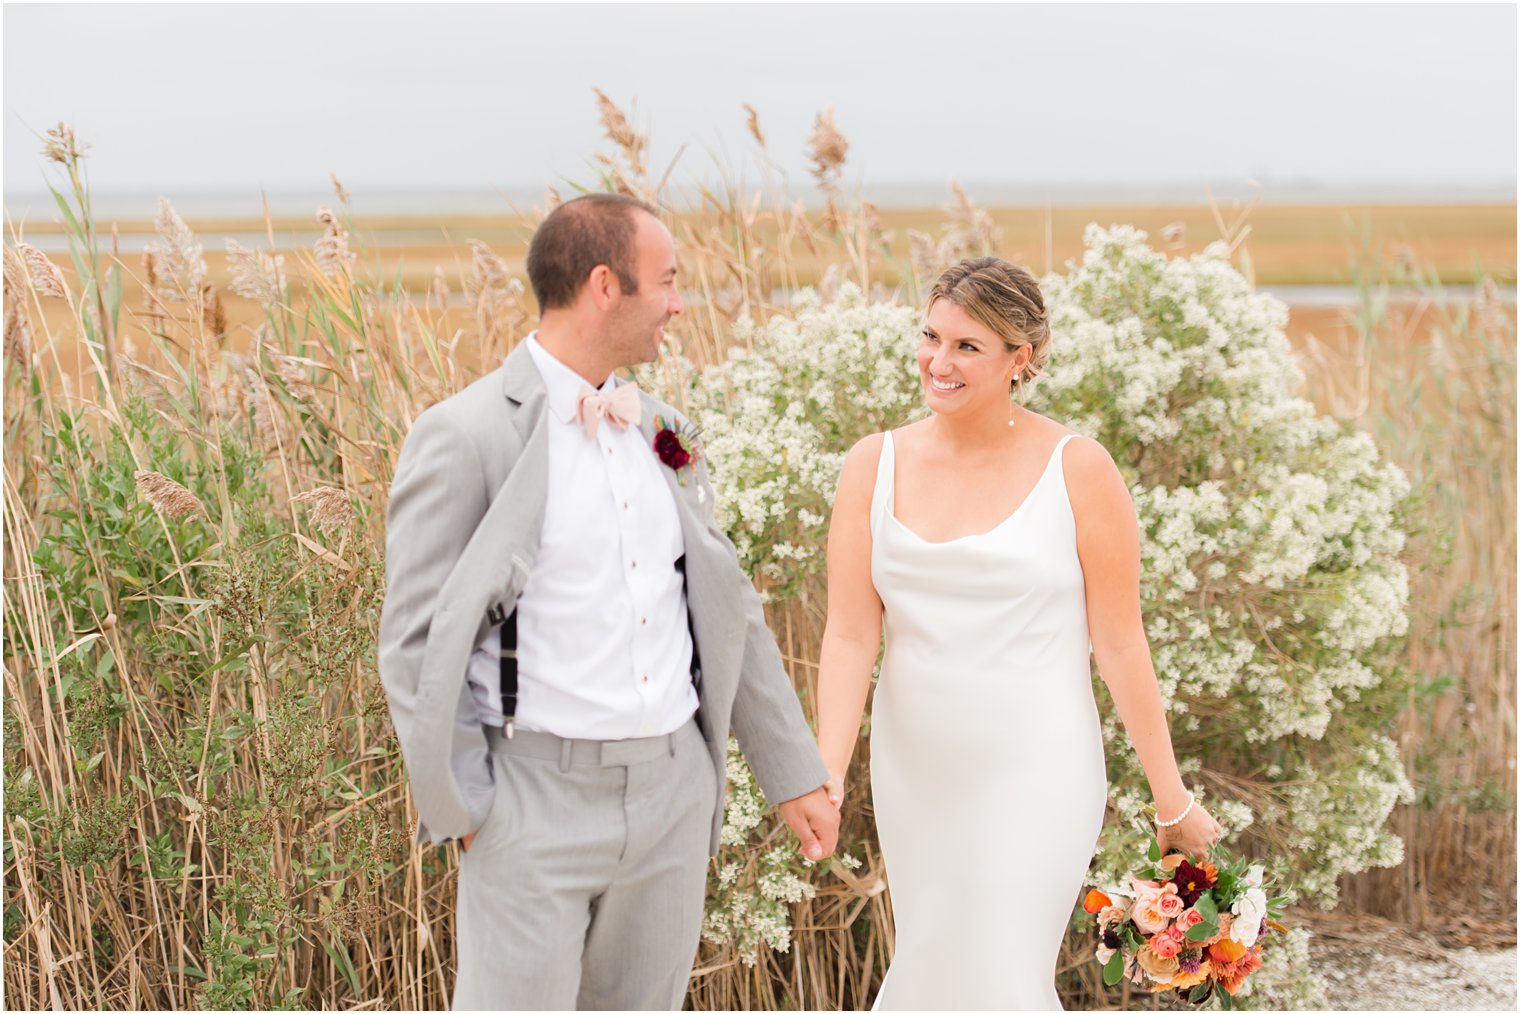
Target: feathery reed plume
(333,254)
(621,133)
(497,295)
(179,262)
(61,147)
(268,426)
(256,274)
(18,335)
(43,273)
(971,232)
(827,148)
(923,254)
(752,121)
(213,315)
(490,269)
(15,272)
(338,188)
(292,372)
(331,508)
(871,219)
(168,497)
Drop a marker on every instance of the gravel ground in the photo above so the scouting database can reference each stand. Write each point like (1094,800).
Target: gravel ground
(1415,976)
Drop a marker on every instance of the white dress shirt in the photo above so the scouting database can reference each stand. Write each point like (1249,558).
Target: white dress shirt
(603,646)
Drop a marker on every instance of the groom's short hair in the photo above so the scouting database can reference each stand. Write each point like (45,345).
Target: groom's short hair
(576,237)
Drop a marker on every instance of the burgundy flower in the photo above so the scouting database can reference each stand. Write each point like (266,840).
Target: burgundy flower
(667,444)
(1191,882)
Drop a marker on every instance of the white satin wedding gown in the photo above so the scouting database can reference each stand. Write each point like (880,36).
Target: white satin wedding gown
(987,769)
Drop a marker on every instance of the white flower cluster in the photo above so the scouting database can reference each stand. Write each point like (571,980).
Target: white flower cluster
(1335,811)
(751,886)
(1287,979)
(779,414)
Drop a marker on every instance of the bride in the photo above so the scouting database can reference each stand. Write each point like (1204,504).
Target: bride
(996,551)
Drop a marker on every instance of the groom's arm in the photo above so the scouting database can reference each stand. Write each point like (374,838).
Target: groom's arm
(437,498)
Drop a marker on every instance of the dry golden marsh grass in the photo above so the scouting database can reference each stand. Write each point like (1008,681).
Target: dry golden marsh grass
(226,637)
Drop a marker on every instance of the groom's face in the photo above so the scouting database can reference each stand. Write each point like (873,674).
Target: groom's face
(636,321)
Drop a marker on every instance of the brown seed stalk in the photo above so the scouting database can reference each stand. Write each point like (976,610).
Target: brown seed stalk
(168,497)
(331,508)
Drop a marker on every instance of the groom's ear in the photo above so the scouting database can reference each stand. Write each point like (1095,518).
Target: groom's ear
(602,287)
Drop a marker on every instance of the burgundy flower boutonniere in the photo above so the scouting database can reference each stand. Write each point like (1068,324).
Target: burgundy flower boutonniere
(677,448)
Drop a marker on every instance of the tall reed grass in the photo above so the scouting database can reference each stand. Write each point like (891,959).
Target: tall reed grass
(204,802)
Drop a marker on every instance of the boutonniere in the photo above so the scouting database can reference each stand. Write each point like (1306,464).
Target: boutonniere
(678,449)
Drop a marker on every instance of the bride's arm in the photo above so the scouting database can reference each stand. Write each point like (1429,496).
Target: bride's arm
(1108,545)
(852,634)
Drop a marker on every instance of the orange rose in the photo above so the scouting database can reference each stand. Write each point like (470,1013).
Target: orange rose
(1095,902)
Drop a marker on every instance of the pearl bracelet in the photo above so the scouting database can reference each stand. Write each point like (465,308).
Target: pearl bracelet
(1178,819)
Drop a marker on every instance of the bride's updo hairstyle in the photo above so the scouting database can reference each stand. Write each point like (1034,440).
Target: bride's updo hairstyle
(1006,299)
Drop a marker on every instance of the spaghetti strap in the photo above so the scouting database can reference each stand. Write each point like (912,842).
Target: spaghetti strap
(881,495)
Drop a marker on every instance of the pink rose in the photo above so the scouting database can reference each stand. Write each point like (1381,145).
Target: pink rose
(1165,945)
(1154,905)
(1147,916)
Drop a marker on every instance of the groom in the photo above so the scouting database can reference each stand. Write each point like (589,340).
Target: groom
(567,641)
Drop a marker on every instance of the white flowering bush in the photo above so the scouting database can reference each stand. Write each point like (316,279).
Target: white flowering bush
(1271,582)
(780,413)
(751,883)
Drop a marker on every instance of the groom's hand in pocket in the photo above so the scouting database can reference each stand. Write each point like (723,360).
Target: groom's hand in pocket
(815,822)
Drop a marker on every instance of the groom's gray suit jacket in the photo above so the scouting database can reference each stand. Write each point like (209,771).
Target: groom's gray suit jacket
(466,512)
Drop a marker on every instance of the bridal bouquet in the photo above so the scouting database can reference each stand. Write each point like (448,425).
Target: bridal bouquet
(1196,931)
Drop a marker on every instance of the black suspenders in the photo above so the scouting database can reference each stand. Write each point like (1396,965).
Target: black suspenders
(507,622)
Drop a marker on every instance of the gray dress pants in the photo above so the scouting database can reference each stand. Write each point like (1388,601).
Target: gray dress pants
(584,888)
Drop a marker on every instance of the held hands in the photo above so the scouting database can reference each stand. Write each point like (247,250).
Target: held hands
(1195,834)
(815,822)
(835,788)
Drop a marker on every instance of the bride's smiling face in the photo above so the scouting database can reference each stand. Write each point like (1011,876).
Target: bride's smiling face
(962,363)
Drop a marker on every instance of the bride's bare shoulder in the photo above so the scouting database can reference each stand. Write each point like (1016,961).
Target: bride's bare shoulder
(860,465)
(1092,477)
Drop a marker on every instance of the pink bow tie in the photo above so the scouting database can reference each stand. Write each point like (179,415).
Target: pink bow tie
(620,406)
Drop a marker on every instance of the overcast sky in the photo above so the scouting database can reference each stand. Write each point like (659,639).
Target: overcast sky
(195,98)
